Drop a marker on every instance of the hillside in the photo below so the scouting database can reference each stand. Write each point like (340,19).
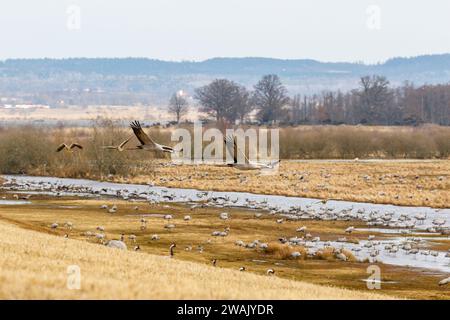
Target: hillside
(33,265)
(141,80)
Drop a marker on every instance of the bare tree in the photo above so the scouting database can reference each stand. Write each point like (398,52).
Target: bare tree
(375,98)
(244,104)
(220,99)
(178,105)
(270,97)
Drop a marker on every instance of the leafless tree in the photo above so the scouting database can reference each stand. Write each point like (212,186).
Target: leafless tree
(220,99)
(375,98)
(270,96)
(178,105)
(244,104)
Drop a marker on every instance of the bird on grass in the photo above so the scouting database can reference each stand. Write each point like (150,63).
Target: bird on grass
(171,249)
(69,148)
(444,282)
(147,143)
(270,272)
(17,197)
(214,262)
(349,229)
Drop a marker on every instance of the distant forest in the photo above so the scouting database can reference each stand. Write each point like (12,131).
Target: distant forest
(374,102)
(312,92)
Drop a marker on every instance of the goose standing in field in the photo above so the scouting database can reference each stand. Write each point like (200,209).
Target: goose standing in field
(132,238)
(171,248)
(120,147)
(270,272)
(231,144)
(214,262)
(27,197)
(155,237)
(341,256)
(113,209)
(70,147)
(301,229)
(224,216)
(143,224)
(242,269)
(146,142)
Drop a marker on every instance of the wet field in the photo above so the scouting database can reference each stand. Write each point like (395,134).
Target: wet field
(301,238)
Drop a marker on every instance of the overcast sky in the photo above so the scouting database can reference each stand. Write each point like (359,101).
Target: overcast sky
(326,30)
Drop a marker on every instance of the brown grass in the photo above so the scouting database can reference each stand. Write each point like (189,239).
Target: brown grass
(34,266)
(283,251)
(413,183)
(349,142)
(86,215)
(31,150)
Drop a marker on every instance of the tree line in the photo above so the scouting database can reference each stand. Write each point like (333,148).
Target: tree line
(374,102)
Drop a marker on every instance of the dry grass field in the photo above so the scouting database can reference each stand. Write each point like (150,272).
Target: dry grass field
(34,255)
(89,113)
(410,183)
(394,180)
(34,265)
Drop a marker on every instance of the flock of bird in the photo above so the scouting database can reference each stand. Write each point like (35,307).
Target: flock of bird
(411,247)
(313,245)
(148,144)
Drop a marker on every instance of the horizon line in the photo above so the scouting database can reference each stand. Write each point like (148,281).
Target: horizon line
(225,58)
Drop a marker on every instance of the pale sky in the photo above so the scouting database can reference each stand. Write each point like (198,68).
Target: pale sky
(325,30)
